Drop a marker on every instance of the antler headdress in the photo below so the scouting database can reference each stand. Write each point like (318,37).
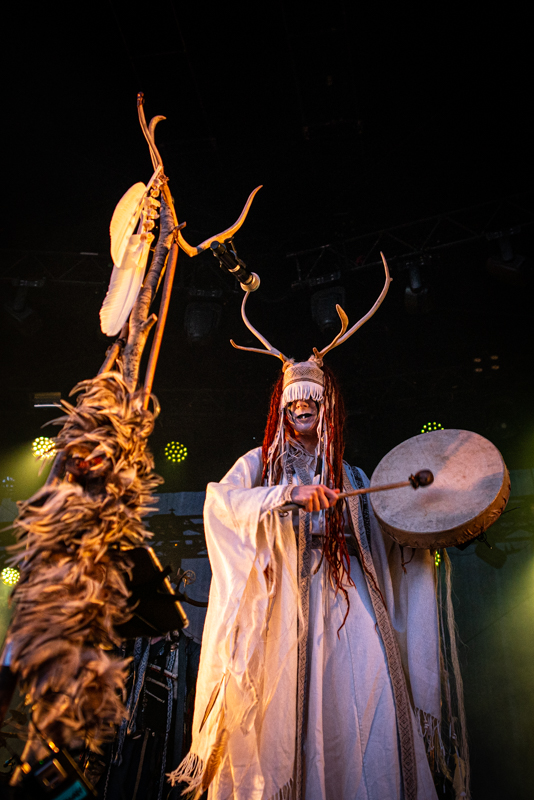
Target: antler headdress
(305,378)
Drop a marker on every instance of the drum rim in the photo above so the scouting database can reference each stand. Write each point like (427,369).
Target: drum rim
(459,534)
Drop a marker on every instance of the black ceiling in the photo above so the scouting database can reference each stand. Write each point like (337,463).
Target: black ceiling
(355,122)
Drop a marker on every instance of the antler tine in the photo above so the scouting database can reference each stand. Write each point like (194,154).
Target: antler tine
(270,351)
(344,323)
(227,234)
(148,134)
(258,350)
(342,336)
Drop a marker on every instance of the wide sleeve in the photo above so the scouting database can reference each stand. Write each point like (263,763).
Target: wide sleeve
(239,549)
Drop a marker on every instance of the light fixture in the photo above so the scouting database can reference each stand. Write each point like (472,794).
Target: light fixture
(201,320)
(43,448)
(46,399)
(10,576)
(323,307)
(509,266)
(431,426)
(175,452)
(416,294)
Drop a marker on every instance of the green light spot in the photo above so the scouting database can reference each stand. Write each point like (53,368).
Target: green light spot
(43,447)
(175,452)
(10,576)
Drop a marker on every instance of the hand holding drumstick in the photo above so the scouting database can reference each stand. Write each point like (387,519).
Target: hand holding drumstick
(318,496)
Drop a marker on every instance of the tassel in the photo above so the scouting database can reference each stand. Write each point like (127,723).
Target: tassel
(190,771)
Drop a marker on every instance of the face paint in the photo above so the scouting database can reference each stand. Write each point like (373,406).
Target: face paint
(303,416)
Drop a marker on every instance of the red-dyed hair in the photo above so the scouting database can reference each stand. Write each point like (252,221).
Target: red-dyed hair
(335,546)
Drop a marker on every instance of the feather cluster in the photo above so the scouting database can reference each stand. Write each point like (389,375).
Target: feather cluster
(72,553)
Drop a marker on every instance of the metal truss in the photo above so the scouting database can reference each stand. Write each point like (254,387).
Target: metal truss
(314,266)
(413,240)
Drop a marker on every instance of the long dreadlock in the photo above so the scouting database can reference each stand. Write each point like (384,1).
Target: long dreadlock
(335,547)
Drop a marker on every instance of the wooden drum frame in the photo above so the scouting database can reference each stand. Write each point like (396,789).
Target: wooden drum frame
(470,490)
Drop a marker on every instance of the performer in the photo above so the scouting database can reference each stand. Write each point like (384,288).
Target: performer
(320,663)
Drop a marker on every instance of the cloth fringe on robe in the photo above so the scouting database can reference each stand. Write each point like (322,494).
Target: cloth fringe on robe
(245,722)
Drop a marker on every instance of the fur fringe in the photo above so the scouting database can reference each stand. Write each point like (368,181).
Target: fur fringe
(72,553)
(430,729)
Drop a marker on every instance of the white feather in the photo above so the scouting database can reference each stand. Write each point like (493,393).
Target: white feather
(125,284)
(129,251)
(124,219)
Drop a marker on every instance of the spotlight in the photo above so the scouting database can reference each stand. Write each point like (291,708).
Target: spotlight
(416,295)
(175,452)
(511,267)
(43,448)
(437,558)
(201,320)
(431,426)
(10,576)
(323,307)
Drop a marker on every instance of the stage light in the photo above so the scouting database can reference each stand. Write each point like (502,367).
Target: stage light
(417,298)
(10,576)
(201,321)
(323,307)
(437,558)
(43,448)
(431,426)
(175,452)
(507,265)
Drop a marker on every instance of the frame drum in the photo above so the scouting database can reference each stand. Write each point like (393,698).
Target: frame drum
(470,490)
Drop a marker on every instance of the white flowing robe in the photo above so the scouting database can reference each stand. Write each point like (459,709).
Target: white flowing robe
(249,650)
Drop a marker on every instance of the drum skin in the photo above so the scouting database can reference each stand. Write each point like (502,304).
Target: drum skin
(470,490)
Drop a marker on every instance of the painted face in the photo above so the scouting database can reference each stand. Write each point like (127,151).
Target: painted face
(303,415)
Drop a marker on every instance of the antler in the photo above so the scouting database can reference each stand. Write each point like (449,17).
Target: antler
(343,335)
(227,234)
(270,351)
(149,131)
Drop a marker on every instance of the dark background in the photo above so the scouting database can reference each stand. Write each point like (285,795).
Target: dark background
(355,122)
(369,129)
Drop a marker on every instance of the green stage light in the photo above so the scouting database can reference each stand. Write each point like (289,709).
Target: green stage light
(43,447)
(437,558)
(10,576)
(175,452)
(431,426)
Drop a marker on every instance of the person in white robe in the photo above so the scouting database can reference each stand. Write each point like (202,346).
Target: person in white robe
(319,674)
(246,716)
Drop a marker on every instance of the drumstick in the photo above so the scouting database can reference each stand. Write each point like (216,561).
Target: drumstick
(422,478)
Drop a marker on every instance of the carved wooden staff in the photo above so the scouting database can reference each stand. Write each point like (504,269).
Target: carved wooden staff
(132,339)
